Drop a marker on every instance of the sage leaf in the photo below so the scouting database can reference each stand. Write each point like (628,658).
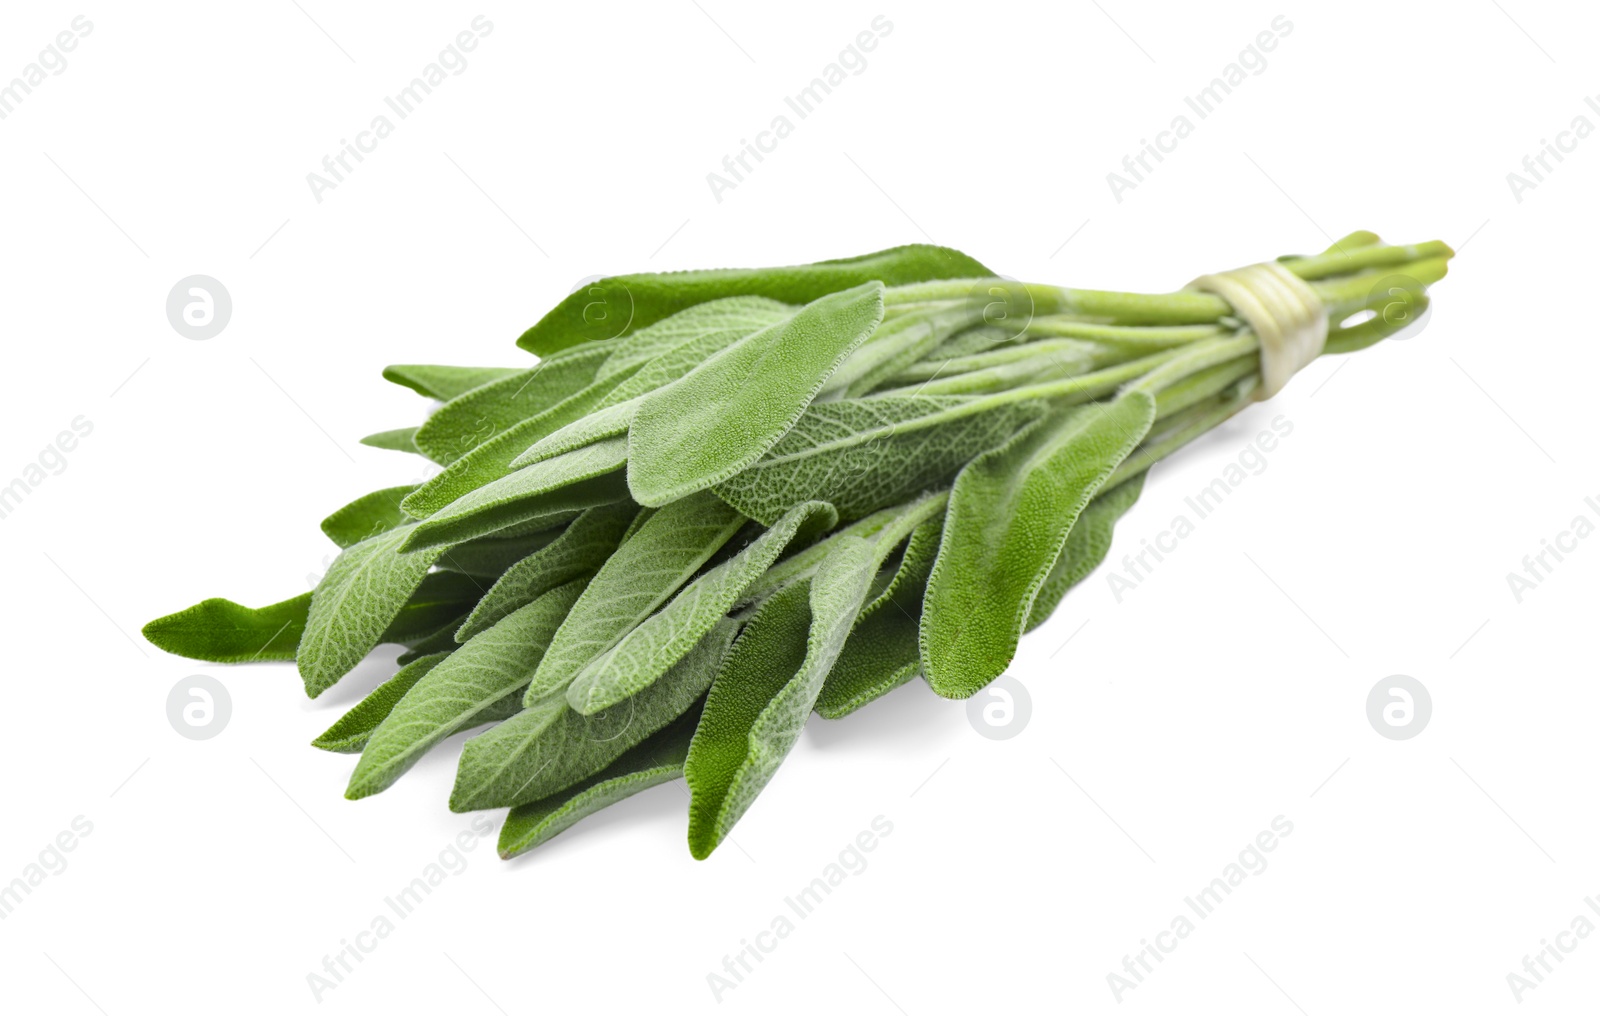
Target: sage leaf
(362,593)
(656,760)
(615,411)
(368,515)
(978,339)
(401,439)
(489,670)
(489,557)
(1086,546)
(489,410)
(438,598)
(739,315)
(681,440)
(580,549)
(221,631)
(1010,511)
(639,577)
(900,343)
(624,303)
(861,455)
(349,734)
(443,383)
(611,421)
(763,694)
(663,638)
(548,746)
(882,652)
(441,640)
(582,478)
(495,457)
(672,364)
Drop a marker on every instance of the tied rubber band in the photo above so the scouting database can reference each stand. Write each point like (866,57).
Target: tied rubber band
(1281,309)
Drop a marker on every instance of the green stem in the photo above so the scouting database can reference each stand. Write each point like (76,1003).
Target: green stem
(1188,426)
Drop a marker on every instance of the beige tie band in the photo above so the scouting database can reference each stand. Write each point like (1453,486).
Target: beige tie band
(1281,309)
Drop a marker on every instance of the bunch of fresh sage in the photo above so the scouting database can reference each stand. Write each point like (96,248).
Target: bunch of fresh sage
(723,500)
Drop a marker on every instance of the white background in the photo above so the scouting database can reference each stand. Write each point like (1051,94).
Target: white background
(1229,688)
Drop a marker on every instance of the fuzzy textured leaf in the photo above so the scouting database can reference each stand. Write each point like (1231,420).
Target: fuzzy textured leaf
(495,458)
(368,515)
(624,303)
(767,688)
(582,478)
(349,734)
(486,673)
(639,577)
(723,415)
(549,747)
(362,593)
(475,416)
(882,652)
(443,383)
(1086,546)
(579,550)
(739,315)
(661,639)
(606,422)
(656,760)
(861,455)
(401,439)
(1010,511)
(221,631)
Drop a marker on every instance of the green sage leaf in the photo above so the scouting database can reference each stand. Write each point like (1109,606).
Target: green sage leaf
(766,689)
(368,515)
(495,457)
(489,671)
(1010,511)
(656,760)
(489,557)
(610,421)
(1086,546)
(489,410)
(661,639)
(549,747)
(861,455)
(443,383)
(349,734)
(401,439)
(582,478)
(624,303)
(723,415)
(639,577)
(580,549)
(362,593)
(740,315)
(221,631)
(439,597)
(882,652)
